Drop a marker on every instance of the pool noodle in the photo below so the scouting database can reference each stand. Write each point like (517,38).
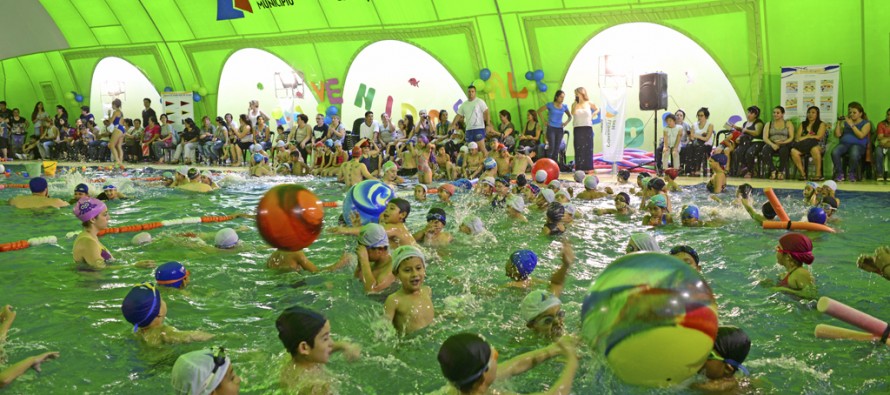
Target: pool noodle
(851,316)
(777,207)
(824,331)
(796,225)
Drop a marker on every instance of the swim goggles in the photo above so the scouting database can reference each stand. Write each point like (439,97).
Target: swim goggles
(687,249)
(154,303)
(435,217)
(735,365)
(219,359)
(165,282)
(548,319)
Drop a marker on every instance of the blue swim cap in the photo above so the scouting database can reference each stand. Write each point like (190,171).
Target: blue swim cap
(171,274)
(38,184)
(689,212)
(257,158)
(109,186)
(329,143)
(141,305)
(82,188)
(817,215)
(489,163)
(524,261)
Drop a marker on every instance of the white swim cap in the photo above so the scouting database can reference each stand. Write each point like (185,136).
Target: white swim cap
(541,176)
(142,238)
(226,238)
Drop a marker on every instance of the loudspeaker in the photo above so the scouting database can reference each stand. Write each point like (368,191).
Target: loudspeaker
(653,91)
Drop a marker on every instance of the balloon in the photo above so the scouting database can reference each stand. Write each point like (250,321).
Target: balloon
(485,74)
(78,98)
(196,97)
(202,91)
(539,75)
(69,95)
(259,85)
(549,166)
(652,317)
(195,87)
(479,84)
(276,113)
(168,89)
(328,120)
(290,217)
(282,121)
(542,86)
(369,198)
(529,76)
(332,110)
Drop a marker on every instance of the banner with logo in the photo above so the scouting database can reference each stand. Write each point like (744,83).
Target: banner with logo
(613,118)
(806,86)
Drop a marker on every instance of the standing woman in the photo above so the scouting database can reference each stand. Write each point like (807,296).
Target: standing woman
(809,139)
(39,118)
(853,134)
(555,125)
(584,111)
(254,112)
(532,134)
(702,130)
(117,135)
(778,136)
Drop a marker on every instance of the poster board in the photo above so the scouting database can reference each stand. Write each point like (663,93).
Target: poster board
(178,106)
(806,86)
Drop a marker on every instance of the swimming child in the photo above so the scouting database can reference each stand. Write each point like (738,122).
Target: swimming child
(544,198)
(501,192)
(420,191)
(259,166)
(689,216)
(657,186)
(472,225)
(471,366)
(38,198)
(141,238)
(540,179)
(14,371)
(590,193)
(207,178)
(687,254)
(767,213)
(146,310)
(491,168)
(80,191)
(445,192)
(390,175)
(623,177)
(109,192)
(829,204)
(374,267)
(810,193)
(485,186)
(306,336)
(795,250)
(433,235)
(542,310)
(173,275)
(829,188)
(622,206)
(717,164)
(520,267)
(89,253)
(502,157)
(641,242)
(411,307)
(516,208)
(658,214)
(731,348)
(206,371)
(879,263)
(226,239)
(295,261)
(521,162)
(555,220)
(671,174)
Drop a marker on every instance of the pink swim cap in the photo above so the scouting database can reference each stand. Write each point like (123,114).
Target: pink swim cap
(88,208)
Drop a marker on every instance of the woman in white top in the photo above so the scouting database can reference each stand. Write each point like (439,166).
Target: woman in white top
(254,112)
(583,112)
(702,133)
(336,130)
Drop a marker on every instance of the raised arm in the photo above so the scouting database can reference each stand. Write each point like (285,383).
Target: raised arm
(558,279)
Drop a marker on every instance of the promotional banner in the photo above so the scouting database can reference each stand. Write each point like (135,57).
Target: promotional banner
(613,110)
(178,106)
(807,86)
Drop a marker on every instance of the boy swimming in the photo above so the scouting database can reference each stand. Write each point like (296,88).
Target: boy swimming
(411,307)
(146,310)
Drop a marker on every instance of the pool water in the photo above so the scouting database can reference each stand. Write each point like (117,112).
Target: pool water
(234,296)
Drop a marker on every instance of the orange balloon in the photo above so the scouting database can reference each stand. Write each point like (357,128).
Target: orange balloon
(290,217)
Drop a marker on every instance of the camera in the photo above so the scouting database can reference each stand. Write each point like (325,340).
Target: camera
(841,117)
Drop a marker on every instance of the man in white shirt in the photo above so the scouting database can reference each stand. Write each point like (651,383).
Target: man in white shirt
(474,113)
(370,128)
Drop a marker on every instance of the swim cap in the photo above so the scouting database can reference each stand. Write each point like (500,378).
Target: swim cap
(193,173)
(643,174)
(656,184)
(658,201)
(257,158)
(590,182)
(812,184)
(536,303)
(88,208)
(689,212)
(624,196)
(464,149)
(82,188)
(226,238)
(579,176)
(540,176)
(356,151)
(421,186)
(831,184)
(548,195)
(687,249)
(373,235)
(389,165)
(535,189)
(448,188)
(767,210)
(108,187)
(473,145)
(817,215)
(563,193)
(525,262)
(474,223)
(489,163)
(672,173)
(256,148)
(554,184)
(501,147)
(798,246)
(645,242)
(555,212)
(141,305)
(464,358)
(720,159)
(437,214)
(37,184)
(488,181)
(831,201)
(198,372)
(329,143)
(733,345)
(208,174)
(502,180)
(624,174)
(516,203)
(296,325)
(171,274)
(142,238)
(167,174)
(184,170)
(280,143)
(403,253)
(745,190)
(521,181)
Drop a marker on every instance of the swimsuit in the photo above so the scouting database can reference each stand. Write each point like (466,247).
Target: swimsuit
(784,281)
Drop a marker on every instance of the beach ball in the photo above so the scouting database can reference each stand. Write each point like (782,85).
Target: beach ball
(463,184)
(549,166)
(289,217)
(817,215)
(652,318)
(369,198)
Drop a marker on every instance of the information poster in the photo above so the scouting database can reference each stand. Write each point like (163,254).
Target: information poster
(178,106)
(807,86)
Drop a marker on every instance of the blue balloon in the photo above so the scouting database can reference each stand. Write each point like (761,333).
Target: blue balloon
(328,120)
(539,75)
(542,86)
(485,74)
(817,215)
(369,198)
(78,98)
(168,89)
(196,97)
(332,110)
(529,75)
(282,121)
